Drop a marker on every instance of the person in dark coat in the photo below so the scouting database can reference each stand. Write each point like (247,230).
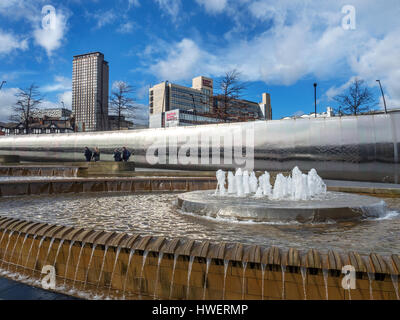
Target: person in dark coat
(126,154)
(96,154)
(117,155)
(88,154)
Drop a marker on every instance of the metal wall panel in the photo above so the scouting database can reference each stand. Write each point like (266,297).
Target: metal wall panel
(360,148)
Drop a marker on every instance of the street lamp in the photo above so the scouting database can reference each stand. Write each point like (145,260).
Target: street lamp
(194,108)
(383,95)
(2,83)
(315,98)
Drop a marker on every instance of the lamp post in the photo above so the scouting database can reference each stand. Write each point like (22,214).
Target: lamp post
(2,83)
(194,108)
(383,95)
(315,98)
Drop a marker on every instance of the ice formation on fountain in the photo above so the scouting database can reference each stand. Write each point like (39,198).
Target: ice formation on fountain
(296,187)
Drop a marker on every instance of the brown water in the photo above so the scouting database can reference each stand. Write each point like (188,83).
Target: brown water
(156,214)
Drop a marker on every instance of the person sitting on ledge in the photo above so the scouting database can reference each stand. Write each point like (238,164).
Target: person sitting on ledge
(117,155)
(96,154)
(88,154)
(126,154)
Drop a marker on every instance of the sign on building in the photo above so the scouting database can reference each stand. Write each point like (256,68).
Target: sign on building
(172,118)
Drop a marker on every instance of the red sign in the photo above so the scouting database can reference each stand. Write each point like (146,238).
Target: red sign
(172,116)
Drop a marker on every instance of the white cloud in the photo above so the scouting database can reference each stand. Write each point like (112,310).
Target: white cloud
(170,7)
(7,101)
(334,91)
(31,11)
(116,84)
(133,3)
(127,27)
(46,104)
(8,98)
(213,6)
(10,42)
(60,84)
(103,18)
(184,59)
(301,39)
(381,61)
(51,38)
(21,9)
(143,92)
(65,97)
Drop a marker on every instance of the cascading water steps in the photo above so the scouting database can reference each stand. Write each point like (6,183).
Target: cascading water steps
(190,266)
(134,267)
(303,271)
(176,256)
(160,257)
(226,264)
(88,267)
(132,252)
(263,267)
(325,274)
(208,263)
(77,265)
(283,281)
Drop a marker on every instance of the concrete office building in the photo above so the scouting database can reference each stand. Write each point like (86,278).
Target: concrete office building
(174,105)
(90,80)
(167,96)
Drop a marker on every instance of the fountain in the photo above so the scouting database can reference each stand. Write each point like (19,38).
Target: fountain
(295,198)
(251,246)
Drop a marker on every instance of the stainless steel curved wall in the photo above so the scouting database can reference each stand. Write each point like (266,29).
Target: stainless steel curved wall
(362,148)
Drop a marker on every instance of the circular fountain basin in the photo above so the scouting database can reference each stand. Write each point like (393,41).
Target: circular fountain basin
(333,206)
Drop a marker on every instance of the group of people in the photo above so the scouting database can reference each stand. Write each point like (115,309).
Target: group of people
(119,155)
(123,155)
(92,155)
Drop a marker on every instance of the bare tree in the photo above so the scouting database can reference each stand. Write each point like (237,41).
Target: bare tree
(28,102)
(121,103)
(357,99)
(231,89)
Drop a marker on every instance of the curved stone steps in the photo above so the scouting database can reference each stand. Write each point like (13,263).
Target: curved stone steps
(292,260)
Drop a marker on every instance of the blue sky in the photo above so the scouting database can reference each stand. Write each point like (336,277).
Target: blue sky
(280,47)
